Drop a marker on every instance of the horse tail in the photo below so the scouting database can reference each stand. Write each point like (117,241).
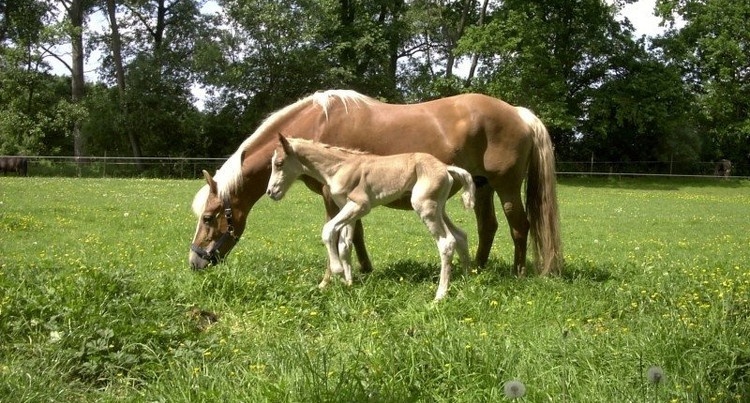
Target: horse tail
(541,198)
(467,184)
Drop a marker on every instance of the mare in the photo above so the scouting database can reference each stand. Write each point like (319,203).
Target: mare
(359,181)
(20,165)
(723,168)
(499,144)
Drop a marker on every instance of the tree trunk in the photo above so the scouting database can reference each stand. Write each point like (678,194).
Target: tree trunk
(120,76)
(450,57)
(75,14)
(475,57)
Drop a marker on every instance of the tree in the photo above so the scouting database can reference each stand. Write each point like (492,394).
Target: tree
(642,113)
(76,10)
(115,46)
(713,51)
(35,115)
(152,48)
(547,55)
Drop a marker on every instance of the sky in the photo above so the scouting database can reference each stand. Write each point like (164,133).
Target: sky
(641,15)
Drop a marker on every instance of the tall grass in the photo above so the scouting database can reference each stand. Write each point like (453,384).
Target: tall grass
(97,302)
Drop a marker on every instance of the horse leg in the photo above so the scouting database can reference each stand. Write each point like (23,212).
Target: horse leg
(431,213)
(331,235)
(345,251)
(358,237)
(484,211)
(462,243)
(519,228)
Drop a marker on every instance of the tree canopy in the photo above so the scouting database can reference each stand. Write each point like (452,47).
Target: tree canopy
(600,90)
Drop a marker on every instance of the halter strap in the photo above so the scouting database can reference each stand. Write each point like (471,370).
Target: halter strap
(212,254)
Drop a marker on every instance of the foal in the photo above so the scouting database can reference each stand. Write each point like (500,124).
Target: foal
(359,181)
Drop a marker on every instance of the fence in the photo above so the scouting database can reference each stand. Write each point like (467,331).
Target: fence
(648,168)
(175,167)
(122,167)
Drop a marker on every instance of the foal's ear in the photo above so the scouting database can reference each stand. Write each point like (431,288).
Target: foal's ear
(285,144)
(211,182)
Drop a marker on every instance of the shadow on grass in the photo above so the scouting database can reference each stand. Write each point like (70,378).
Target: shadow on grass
(408,270)
(648,183)
(501,271)
(596,274)
(418,272)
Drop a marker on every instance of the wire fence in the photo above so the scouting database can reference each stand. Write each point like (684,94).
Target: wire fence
(187,168)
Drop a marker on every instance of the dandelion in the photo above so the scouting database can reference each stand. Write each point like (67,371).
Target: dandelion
(514,389)
(655,375)
(55,336)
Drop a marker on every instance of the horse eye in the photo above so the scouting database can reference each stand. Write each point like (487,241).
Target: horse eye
(207,218)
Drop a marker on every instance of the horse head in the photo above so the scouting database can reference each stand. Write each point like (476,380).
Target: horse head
(285,168)
(215,234)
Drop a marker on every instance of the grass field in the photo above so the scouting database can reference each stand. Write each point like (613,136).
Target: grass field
(97,302)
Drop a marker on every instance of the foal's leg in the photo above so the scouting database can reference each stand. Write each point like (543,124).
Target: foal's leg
(345,251)
(358,237)
(331,235)
(431,213)
(462,243)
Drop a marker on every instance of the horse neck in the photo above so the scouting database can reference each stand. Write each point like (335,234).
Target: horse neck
(320,162)
(255,172)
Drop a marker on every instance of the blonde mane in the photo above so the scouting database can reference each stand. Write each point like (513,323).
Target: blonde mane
(229,177)
(294,141)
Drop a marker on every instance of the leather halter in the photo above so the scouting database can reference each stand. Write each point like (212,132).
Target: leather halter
(212,254)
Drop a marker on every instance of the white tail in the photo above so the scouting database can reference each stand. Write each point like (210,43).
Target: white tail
(467,183)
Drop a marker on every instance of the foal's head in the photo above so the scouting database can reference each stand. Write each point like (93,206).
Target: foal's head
(285,168)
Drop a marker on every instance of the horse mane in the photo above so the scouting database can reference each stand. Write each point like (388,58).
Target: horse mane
(229,177)
(345,150)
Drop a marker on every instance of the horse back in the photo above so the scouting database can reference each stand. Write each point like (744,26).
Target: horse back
(477,132)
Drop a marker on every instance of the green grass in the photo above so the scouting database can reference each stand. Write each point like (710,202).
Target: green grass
(97,302)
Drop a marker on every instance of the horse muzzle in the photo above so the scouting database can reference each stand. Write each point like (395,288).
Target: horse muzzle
(275,194)
(199,261)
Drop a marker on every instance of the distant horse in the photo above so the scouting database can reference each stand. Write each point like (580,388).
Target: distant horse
(19,165)
(499,144)
(359,181)
(723,168)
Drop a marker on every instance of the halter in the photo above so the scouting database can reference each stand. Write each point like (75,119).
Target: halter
(212,254)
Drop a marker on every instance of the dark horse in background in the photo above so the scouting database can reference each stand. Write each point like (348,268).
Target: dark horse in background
(499,144)
(20,165)
(723,168)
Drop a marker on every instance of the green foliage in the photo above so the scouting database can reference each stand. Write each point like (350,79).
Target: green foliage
(712,50)
(35,114)
(546,55)
(575,63)
(642,114)
(97,302)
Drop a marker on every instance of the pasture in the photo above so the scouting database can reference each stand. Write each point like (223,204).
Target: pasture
(97,302)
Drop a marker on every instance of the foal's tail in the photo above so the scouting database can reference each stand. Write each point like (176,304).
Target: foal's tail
(541,198)
(467,184)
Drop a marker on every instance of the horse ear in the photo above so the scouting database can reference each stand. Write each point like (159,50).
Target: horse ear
(211,182)
(285,144)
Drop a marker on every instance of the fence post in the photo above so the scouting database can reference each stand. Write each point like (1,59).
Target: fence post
(671,160)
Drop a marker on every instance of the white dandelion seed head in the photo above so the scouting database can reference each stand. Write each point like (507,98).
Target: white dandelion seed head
(55,336)
(655,375)
(514,389)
